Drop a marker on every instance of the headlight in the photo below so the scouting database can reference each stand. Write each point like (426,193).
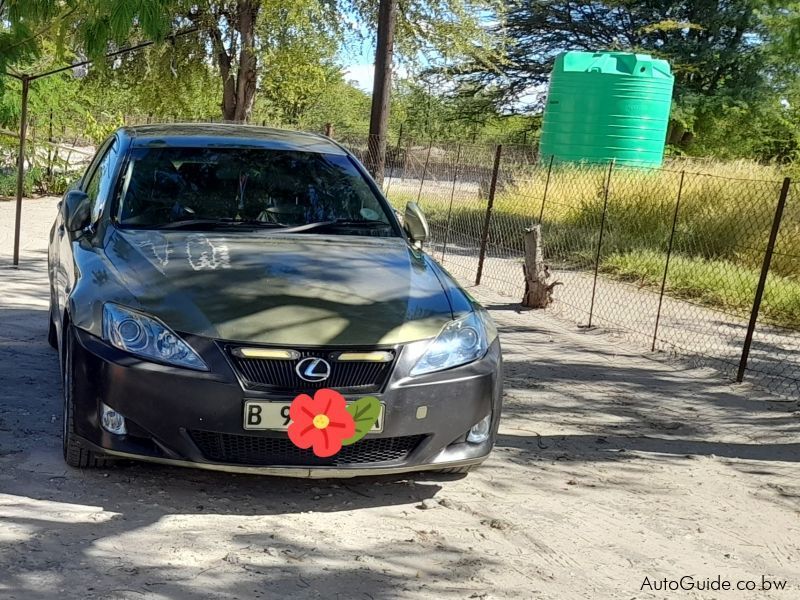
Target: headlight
(458,343)
(147,337)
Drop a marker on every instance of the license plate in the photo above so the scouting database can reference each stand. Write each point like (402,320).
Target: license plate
(275,416)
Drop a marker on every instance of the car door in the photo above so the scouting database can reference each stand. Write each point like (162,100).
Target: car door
(96,182)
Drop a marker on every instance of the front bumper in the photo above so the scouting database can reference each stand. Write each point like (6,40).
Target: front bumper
(166,407)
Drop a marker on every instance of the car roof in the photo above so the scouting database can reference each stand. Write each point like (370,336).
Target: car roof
(228,135)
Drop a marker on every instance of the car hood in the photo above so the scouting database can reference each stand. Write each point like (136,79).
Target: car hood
(273,288)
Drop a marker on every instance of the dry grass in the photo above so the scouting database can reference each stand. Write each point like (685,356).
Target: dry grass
(723,223)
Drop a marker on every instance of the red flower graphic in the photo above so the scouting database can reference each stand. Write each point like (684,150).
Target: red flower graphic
(322,422)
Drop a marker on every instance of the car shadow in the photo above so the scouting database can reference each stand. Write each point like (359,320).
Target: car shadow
(48,509)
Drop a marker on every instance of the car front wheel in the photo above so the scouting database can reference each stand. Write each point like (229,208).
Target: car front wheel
(74,454)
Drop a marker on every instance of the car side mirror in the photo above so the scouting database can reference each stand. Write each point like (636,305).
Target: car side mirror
(416,225)
(75,210)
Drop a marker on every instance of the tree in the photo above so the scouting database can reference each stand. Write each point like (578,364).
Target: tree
(712,46)
(427,115)
(382,88)
(299,65)
(450,27)
(341,103)
(169,80)
(234,33)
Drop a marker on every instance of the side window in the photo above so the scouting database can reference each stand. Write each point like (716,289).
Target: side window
(100,182)
(99,155)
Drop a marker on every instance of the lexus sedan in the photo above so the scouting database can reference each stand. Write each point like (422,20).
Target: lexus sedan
(204,276)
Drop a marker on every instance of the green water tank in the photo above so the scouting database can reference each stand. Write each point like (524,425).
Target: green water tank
(607,105)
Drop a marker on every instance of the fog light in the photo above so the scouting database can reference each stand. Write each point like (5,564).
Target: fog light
(112,421)
(480,431)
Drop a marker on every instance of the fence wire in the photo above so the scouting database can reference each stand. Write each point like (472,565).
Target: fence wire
(668,258)
(775,355)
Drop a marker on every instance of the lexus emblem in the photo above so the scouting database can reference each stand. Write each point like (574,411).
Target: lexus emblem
(313,369)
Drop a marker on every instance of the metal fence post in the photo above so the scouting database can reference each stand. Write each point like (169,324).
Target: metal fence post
(393,169)
(487,219)
(546,187)
(23,131)
(666,264)
(424,171)
(762,280)
(600,239)
(452,195)
(405,161)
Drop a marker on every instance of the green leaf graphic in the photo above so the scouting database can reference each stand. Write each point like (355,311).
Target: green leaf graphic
(365,412)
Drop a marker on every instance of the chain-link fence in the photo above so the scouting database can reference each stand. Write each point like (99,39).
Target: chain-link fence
(677,259)
(672,259)
(59,146)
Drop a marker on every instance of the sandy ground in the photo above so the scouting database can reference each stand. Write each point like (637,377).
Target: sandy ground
(610,468)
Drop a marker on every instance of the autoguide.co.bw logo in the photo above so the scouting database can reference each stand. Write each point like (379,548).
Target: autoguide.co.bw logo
(690,583)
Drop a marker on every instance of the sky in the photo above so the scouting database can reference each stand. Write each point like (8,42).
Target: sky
(362,74)
(357,54)
(361,71)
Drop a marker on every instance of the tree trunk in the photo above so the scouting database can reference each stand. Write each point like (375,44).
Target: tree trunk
(238,89)
(538,294)
(248,63)
(381,89)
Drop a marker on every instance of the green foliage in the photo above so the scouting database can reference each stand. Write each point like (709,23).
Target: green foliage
(425,115)
(735,64)
(97,131)
(430,31)
(298,64)
(725,128)
(34,182)
(171,80)
(23,23)
(737,91)
(341,104)
(8,183)
(712,46)
(287,50)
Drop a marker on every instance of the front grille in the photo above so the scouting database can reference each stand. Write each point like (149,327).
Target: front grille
(280,451)
(280,375)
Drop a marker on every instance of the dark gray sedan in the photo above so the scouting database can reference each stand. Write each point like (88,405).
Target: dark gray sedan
(203,276)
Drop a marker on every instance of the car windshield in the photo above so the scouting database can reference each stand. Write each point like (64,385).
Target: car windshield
(173,187)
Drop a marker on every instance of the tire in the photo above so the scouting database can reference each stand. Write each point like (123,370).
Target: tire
(74,454)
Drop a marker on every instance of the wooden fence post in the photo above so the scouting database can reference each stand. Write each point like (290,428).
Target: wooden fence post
(538,293)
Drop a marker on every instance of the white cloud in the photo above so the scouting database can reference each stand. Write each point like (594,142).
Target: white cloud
(363,76)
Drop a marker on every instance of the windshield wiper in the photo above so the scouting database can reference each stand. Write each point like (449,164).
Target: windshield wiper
(351,223)
(211,223)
